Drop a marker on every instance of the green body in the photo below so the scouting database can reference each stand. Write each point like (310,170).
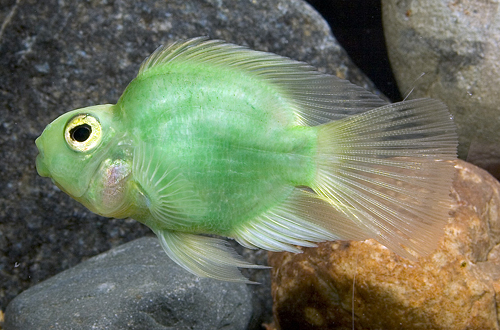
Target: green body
(236,143)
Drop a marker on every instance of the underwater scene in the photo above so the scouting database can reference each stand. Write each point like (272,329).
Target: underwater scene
(209,164)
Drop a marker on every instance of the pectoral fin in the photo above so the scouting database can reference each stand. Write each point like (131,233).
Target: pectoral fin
(171,198)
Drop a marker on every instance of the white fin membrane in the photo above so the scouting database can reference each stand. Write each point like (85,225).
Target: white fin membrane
(302,219)
(314,97)
(204,256)
(394,166)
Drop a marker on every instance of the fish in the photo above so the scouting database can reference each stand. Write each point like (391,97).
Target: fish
(212,140)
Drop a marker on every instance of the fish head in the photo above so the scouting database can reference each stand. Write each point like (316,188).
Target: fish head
(71,147)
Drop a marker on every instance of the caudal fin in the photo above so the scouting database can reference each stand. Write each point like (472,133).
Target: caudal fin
(393,165)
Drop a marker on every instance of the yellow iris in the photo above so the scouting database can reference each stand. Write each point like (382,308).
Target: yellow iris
(83,132)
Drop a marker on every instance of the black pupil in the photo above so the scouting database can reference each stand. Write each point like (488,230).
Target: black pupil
(81,133)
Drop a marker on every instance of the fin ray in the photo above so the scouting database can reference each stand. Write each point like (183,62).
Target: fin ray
(204,256)
(171,198)
(314,97)
(302,219)
(393,164)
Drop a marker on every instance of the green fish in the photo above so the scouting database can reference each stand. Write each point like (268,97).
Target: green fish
(213,139)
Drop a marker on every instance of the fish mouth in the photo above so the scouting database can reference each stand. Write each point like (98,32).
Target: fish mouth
(41,168)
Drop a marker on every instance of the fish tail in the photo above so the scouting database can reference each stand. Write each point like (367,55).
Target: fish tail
(393,165)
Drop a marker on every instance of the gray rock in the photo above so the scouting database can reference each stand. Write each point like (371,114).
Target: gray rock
(133,286)
(60,55)
(457,45)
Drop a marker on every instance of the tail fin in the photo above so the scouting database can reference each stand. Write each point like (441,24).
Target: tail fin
(394,165)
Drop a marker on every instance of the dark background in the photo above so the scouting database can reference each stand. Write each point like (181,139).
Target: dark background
(357,25)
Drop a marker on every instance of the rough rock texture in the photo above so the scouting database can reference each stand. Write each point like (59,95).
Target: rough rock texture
(59,55)
(457,45)
(134,286)
(456,287)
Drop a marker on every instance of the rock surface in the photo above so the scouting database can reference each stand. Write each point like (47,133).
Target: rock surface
(457,45)
(133,286)
(456,287)
(56,56)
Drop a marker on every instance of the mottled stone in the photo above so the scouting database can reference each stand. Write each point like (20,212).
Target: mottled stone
(455,287)
(58,55)
(457,45)
(133,286)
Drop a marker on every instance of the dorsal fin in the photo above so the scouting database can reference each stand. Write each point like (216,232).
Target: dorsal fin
(316,98)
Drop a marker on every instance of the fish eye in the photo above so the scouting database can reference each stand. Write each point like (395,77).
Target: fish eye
(83,132)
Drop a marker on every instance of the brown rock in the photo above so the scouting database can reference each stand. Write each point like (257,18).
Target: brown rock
(456,287)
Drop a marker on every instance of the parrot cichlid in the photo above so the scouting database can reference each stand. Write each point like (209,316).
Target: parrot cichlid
(213,139)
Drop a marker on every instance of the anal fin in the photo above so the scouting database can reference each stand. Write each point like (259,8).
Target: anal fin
(302,219)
